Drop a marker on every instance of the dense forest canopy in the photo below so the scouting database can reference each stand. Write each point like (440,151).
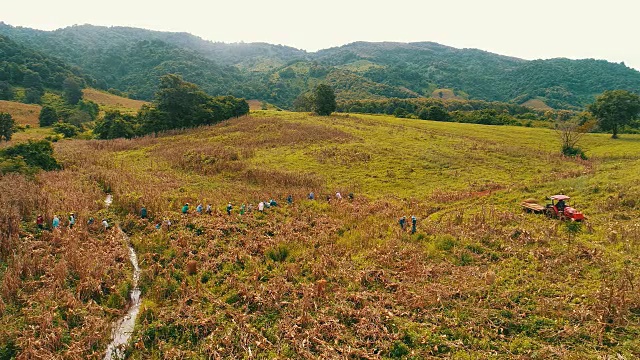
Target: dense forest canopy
(23,67)
(132,60)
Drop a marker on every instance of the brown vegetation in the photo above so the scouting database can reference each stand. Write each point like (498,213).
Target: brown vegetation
(111,100)
(23,114)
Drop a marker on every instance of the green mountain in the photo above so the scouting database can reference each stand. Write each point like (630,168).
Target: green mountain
(131,60)
(21,67)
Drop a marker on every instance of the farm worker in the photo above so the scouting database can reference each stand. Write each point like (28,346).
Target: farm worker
(350,196)
(90,222)
(229,207)
(40,222)
(242,209)
(168,222)
(72,220)
(338,195)
(414,220)
(273,202)
(261,206)
(208,210)
(311,196)
(290,199)
(560,205)
(143,212)
(158,226)
(105,224)
(402,222)
(185,209)
(56,222)
(199,208)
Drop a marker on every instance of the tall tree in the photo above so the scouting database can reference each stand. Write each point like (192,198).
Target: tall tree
(48,116)
(115,125)
(32,80)
(72,90)
(6,91)
(7,126)
(324,100)
(615,109)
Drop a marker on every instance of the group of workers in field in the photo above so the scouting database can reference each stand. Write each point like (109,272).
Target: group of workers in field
(244,208)
(56,223)
(208,210)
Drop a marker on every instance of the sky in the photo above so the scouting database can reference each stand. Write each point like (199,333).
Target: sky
(539,29)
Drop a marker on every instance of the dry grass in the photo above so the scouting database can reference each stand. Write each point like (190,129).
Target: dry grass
(255,104)
(447,94)
(112,101)
(60,289)
(23,114)
(537,104)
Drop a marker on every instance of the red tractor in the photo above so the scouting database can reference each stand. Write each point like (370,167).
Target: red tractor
(557,209)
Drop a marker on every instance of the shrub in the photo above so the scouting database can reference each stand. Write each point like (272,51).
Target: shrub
(574,151)
(65,129)
(279,253)
(38,154)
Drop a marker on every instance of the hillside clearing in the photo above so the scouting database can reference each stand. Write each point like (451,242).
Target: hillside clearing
(23,114)
(112,102)
(537,104)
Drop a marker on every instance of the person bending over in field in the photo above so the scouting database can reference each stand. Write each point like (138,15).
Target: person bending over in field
(105,224)
(143,212)
(56,222)
(72,220)
(402,222)
(199,209)
(40,222)
(208,210)
(185,209)
(229,208)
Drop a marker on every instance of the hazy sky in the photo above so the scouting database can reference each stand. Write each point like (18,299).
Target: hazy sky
(526,29)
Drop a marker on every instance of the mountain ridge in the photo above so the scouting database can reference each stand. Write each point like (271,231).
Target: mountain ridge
(279,73)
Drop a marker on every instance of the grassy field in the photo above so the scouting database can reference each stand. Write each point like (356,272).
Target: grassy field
(23,114)
(338,278)
(109,101)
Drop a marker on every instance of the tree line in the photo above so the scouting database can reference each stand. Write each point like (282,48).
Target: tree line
(178,104)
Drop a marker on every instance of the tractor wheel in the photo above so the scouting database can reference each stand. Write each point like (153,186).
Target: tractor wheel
(550,213)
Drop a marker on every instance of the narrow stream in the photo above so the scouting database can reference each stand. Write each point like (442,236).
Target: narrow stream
(123,328)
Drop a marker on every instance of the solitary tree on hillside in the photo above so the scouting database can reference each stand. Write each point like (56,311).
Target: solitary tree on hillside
(570,132)
(615,109)
(324,100)
(7,126)
(48,116)
(72,90)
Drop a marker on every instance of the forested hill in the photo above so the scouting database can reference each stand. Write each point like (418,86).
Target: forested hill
(131,60)
(33,71)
